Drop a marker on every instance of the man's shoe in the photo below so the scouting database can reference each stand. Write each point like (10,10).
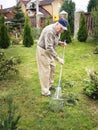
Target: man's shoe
(52,88)
(50,95)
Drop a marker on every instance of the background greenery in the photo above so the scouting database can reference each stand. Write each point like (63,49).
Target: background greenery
(35,111)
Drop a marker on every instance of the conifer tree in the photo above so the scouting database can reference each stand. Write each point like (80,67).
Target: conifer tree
(4,35)
(66,35)
(82,32)
(92,5)
(69,7)
(18,17)
(28,40)
(95,19)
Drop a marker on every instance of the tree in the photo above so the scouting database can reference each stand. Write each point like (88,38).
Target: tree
(69,7)
(28,40)
(95,19)
(82,32)
(92,5)
(66,35)
(18,17)
(4,35)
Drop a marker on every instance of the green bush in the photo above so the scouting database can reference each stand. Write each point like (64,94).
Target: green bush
(71,99)
(47,22)
(28,40)
(91,85)
(7,65)
(15,41)
(36,32)
(4,35)
(82,32)
(8,116)
(96,50)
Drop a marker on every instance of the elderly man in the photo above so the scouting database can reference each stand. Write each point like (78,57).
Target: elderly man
(46,54)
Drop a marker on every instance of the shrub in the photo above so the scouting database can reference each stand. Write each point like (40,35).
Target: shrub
(82,32)
(96,50)
(7,65)
(28,40)
(15,41)
(91,85)
(4,36)
(94,14)
(47,21)
(36,32)
(71,99)
(8,117)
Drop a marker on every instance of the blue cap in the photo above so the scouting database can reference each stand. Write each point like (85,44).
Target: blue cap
(63,22)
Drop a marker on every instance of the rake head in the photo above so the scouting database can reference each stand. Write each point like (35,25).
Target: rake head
(58,94)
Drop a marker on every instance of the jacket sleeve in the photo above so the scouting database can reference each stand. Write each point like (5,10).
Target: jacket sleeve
(50,45)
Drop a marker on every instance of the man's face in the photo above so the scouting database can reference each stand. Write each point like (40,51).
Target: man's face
(59,28)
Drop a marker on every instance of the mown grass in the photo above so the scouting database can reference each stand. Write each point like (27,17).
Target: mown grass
(35,110)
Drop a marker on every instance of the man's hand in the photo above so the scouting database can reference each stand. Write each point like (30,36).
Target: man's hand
(62,44)
(61,61)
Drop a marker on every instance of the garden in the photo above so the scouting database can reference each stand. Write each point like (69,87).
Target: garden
(22,107)
(21,102)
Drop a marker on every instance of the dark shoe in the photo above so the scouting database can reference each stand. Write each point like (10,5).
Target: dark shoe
(50,95)
(52,88)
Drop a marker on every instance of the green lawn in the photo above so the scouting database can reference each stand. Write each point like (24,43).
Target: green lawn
(35,110)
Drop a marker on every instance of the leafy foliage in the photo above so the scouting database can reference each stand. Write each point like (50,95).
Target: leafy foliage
(95,19)
(47,21)
(7,65)
(4,36)
(91,85)
(82,32)
(15,41)
(96,50)
(8,117)
(92,5)
(36,32)
(71,99)
(28,40)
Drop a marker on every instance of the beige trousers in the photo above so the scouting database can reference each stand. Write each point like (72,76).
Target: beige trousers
(46,69)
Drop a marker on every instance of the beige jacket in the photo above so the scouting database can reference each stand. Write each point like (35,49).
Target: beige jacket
(49,40)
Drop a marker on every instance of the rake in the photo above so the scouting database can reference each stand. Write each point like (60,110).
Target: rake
(57,102)
(58,93)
